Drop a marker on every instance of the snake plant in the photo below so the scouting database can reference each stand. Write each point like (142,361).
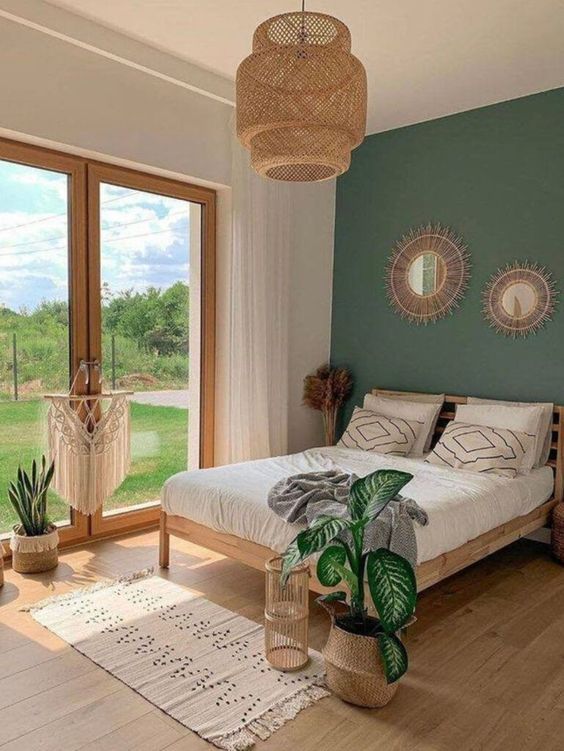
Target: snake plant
(390,577)
(28,496)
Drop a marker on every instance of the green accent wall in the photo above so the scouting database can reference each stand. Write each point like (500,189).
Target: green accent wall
(496,176)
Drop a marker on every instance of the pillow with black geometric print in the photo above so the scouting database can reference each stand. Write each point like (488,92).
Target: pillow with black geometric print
(370,431)
(477,448)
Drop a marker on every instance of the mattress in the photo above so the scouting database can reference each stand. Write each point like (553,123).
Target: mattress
(461,505)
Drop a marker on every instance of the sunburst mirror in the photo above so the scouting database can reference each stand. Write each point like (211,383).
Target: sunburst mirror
(427,273)
(519,299)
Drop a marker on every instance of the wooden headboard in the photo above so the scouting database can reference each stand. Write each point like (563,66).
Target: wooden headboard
(556,458)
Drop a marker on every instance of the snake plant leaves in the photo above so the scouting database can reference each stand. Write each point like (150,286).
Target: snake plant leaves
(320,534)
(370,494)
(330,566)
(394,656)
(392,584)
(28,495)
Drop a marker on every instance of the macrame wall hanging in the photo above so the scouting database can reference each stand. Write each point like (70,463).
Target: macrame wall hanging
(89,441)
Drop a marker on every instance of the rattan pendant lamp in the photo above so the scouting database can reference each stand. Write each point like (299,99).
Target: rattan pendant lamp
(301,98)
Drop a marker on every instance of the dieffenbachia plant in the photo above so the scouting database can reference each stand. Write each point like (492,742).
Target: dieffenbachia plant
(390,577)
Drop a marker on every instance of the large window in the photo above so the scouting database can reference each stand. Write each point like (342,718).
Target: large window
(101,263)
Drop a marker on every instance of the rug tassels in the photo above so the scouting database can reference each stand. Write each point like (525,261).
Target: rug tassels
(80,592)
(272,720)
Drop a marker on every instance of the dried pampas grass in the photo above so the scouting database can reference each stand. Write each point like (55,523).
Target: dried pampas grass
(326,390)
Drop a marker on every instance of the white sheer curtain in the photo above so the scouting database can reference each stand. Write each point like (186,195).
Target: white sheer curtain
(258,393)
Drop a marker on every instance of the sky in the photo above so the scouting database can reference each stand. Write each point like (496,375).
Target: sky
(145,238)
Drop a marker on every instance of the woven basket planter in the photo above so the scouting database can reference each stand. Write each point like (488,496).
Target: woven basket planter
(32,555)
(558,532)
(354,667)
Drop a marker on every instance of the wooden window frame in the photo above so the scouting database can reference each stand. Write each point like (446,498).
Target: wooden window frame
(75,168)
(84,296)
(102,526)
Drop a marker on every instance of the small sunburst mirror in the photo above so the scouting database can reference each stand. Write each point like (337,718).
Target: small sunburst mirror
(519,299)
(427,273)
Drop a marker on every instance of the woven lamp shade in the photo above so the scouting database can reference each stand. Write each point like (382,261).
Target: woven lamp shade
(301,98)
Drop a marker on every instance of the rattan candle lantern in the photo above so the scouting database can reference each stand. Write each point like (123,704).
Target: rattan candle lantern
(286,617)
(301,98)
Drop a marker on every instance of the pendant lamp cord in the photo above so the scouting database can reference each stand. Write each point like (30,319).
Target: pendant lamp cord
(303,31)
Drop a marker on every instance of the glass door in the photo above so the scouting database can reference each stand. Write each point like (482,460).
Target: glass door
(42,308)
(147,236)
(101,263)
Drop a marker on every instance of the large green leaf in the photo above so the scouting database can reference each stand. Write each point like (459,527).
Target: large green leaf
(290,558)
(330,565)
(320,534)
(394,656)
(338,596)
(370,494)
(310,541)
(392,584)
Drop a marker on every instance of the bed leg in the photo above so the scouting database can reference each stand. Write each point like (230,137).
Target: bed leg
(164,542)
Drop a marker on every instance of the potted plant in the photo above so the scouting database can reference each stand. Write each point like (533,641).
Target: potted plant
(34,541)
(364,654)
(326,390)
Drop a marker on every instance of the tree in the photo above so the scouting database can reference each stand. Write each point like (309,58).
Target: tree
(157,321)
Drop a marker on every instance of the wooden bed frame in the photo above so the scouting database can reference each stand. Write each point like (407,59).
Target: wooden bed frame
(428,573)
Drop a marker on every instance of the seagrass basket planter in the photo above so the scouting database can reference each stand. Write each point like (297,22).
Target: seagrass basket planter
(286,615)
(354,670)
(33,555)
(557,536)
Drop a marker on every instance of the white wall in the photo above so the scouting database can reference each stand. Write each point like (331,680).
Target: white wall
(55,90)
(311,280)
(70,97)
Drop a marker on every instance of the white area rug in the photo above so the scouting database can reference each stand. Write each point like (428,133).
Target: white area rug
(199,663)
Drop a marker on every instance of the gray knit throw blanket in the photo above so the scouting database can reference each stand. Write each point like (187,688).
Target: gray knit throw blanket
(305,497)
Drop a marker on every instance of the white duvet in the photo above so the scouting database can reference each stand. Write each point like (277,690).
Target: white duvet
(461,505)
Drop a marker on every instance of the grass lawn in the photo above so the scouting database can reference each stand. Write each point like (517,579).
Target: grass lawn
(159,438)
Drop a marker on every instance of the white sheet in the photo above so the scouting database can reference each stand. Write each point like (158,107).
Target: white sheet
(461,505)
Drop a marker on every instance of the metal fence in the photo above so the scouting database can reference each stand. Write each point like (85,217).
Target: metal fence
(15,389)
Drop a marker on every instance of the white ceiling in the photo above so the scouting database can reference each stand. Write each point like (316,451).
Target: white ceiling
(424,58)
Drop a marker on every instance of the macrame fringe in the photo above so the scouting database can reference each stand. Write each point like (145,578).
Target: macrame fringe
(76,594)
(36,543)
(89,441)
(273,719)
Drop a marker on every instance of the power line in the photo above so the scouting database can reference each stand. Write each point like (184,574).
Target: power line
(116,239)
(64,213)
(105,229)
(145,234)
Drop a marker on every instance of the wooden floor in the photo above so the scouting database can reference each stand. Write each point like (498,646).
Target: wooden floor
(487,662)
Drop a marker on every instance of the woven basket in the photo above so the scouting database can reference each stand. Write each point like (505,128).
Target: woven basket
(301,98)
(286,614)
(354,667)
(32,555)
(558,532)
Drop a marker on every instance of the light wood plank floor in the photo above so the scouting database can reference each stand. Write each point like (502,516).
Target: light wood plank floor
(487,662)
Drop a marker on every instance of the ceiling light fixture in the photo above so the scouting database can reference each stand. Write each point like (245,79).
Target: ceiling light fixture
(301,98)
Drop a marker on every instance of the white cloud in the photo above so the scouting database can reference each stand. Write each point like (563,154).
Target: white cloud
(145,242)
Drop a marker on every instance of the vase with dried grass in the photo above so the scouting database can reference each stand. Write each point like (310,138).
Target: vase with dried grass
(326,390)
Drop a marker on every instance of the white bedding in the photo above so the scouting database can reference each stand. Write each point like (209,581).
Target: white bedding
(461,505)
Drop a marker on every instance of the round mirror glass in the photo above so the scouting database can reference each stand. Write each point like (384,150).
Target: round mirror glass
(518,299)
(426,274)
